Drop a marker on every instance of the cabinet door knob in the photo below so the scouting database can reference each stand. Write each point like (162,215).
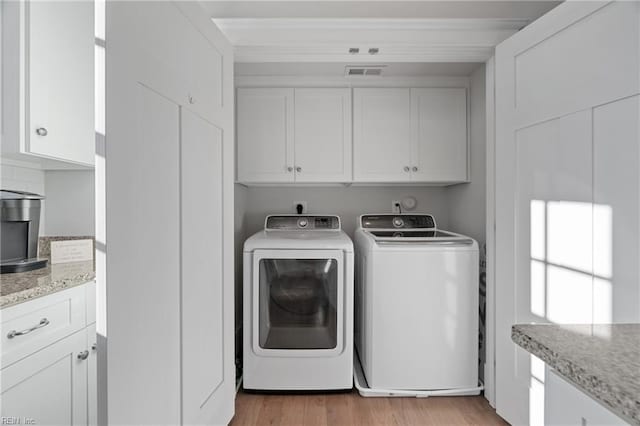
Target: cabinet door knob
(83,355)
(415,169)
(191,100)
(41,131)
(289,169)
(298,169)
(406,168)
(94,346)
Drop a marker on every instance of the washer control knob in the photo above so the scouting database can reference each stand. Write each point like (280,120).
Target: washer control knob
(302,223)
(398,222)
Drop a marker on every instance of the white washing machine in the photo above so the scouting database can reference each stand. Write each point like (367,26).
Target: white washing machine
(416,325)
(298,305)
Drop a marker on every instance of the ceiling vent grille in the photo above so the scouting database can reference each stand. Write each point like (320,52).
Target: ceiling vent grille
(363,71)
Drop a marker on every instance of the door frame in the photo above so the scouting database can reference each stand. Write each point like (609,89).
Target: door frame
(490,230)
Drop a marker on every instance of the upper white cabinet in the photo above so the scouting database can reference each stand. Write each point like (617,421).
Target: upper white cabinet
(288,135)
(265,135)
(410,135)
(294,135)
(439,134)
(48,73)
(382,135)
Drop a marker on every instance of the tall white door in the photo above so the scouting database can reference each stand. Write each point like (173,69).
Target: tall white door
(203,292)
(169,217)
(567,184)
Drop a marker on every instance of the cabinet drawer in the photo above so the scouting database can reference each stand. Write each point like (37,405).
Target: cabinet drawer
(30,326)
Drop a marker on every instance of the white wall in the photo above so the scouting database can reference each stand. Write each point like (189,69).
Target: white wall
(466,203)
(70,202)
(25,179)
(68,209)
(346,202)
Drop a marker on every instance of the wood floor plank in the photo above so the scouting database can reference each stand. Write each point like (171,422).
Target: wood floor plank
(341,410)
(347,409)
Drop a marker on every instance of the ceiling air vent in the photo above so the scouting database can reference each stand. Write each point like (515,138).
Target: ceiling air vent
(363,70)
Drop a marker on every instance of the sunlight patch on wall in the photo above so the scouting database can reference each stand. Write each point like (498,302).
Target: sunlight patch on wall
(571,261)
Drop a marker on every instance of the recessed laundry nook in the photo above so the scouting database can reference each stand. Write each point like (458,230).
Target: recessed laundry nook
(306,213)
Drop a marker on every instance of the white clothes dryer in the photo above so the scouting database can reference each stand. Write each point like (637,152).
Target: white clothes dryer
(298,305)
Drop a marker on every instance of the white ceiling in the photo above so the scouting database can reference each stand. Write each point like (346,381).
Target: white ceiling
(416,9)
(334,69)
(402,31)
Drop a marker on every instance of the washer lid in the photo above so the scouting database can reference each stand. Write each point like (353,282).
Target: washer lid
(397,221)
(433,237)
(402,229)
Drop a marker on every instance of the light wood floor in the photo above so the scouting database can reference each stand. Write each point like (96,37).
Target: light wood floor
(351,409)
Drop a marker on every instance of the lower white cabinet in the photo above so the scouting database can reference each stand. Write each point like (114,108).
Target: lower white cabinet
(54,383)
(49,386)
(566,405)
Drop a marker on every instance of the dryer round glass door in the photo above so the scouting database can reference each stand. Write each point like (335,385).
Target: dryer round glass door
(298,303)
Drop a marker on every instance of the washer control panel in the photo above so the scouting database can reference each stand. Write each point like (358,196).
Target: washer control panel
(398,221)
(302,222)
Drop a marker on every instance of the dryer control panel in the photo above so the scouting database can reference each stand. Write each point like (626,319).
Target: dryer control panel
(398,221)
(302,222)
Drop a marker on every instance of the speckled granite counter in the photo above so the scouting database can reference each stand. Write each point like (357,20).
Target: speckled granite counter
(23,286)
(602,360)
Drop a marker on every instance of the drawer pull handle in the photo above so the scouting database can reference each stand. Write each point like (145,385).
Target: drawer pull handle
(83,355)
(13,333)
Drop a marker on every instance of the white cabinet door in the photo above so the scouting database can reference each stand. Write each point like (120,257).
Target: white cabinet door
(439,134)
(60,118)
(566,405)
(381,135)
(203,294)
(265,135)
(144,342)
(322,135)
(50,386)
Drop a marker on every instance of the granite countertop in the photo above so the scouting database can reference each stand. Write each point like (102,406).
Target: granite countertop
(602,360)
(22,286)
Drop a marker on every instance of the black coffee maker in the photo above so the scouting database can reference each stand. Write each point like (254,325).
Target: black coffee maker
(20,225)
